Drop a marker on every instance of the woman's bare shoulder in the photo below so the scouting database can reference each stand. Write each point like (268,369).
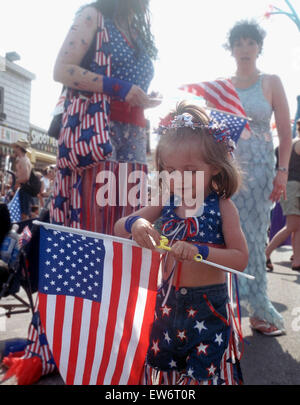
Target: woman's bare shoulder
(87,16)
(272,79)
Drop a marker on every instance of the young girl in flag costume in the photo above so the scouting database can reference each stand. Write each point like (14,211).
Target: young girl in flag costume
(194,334)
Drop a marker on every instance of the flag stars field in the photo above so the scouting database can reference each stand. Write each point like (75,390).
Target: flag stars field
(72,277)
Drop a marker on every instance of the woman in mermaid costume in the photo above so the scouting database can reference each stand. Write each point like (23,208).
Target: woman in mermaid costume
(261,95)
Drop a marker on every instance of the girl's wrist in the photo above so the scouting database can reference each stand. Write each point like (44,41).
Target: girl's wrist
(129,222)
(203,250)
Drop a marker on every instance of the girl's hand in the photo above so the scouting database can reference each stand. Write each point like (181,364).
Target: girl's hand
(144,234)
(184,251)
(279,187)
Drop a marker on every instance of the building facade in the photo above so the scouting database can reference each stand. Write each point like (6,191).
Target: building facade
(15,91)
(15,99)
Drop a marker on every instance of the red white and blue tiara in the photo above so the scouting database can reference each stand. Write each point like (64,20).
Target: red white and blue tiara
(218,129)
(223,126)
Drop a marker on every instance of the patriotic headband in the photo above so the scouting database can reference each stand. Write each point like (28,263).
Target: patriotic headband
(219,130)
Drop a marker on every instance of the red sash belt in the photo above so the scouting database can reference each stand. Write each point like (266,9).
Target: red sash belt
(123,112)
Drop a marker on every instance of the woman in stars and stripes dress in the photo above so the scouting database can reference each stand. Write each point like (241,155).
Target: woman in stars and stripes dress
(123,60)
(260,95)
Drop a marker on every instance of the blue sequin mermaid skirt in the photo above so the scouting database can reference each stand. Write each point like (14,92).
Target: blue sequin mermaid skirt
(254,208)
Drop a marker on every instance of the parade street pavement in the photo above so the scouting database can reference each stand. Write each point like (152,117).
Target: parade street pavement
(266,360)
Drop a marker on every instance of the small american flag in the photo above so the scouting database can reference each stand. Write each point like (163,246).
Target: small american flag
(14,208)
(96,301)
(220,93)
(235,124)
(25,237)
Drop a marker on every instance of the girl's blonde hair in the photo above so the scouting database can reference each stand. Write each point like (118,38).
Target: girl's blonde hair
(228,179)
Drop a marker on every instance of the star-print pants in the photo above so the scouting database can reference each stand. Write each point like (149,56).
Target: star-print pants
(191,331)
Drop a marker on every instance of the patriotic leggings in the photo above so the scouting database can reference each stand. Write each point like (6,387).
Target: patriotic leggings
(190,333)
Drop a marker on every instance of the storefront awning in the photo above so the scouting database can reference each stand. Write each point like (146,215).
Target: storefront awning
(44,157)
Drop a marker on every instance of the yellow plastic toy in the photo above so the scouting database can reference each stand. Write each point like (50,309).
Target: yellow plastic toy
(164,245)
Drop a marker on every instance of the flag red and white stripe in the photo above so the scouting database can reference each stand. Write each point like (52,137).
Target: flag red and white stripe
(220,93)
(25,237)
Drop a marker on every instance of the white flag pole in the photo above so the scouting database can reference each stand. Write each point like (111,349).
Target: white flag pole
(83,232)
(198,258)
(239,273)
